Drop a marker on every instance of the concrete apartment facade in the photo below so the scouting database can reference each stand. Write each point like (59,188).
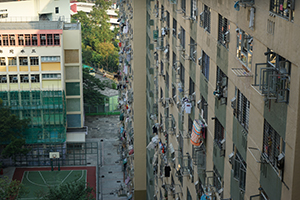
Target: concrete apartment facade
(211,88)
(41,70)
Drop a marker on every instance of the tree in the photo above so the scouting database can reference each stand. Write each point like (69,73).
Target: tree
(9,190)
(78,190)
(15,148)
(91,89)
(10,125)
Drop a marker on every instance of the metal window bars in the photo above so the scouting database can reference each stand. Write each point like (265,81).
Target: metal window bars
(223,31)
(205,18)
(219,133)
(241,111)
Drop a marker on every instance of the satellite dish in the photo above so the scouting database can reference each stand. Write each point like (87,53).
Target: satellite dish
(237,6)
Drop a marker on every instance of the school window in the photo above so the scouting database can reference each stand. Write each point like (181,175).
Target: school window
(219,133)
(239,167)
(35,78)
(3,79)
(43,39)
(2,61)
(27,40)
(12,61)
(273,144)
(5,40)
(244,48)
(34,60)
(23,61)
(174,28)
(51,76)
(13,78)
(50,59)
(49,39)
(223,31)
(56,10)
(24,78)
(242,109)
(205,18)
(283,8)
(205,65)
(34,40)
(56,39)
(21,39)
(12,40)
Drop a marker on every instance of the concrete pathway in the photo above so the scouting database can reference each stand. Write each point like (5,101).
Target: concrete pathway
(106,129)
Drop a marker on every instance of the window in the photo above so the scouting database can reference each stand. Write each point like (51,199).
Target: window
(49,39)
(244,48)
(168,19)
(3,79)
(174,28)
(50,59)
(223,31)
(174,62)
(203,108)
(21,39)
(43,39)
(35,78)
(5,40)
(51,76)
(273,144)
(161,67)
(239,167)
(183,6)
(34,60)
(242,109)
(24,78)
(167,80)
(174,92)
(2,61)
(162,10)
(181,75)
(193,50)
(205,18)
(56,10)
(13,78)
(193,9)
(23,61)
(56,39)
(221,86)
(217,181)
(205,65)
(188,195)
(161,93)
(34,40)
(27,40)
(219,133)
(12,61)
(12,40)
(182,37)
(283,8)
(191,87)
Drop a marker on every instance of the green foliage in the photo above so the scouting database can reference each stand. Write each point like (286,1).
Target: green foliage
(96,35)
(15,148)
(114,86)
(91,89)
(9,190)
(78,190)
(10,125)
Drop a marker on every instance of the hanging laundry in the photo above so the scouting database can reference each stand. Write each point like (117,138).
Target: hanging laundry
(125,70)
(188,107)
(197,133)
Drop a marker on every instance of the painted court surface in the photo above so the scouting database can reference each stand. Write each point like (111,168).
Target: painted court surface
(39,179)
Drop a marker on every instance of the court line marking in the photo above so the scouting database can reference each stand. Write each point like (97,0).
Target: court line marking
(33,182)
(43,178)
(66,177)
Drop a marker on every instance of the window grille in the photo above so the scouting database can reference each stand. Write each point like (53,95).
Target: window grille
(183,6)
(12,61)
(191,87)
(242,110)
(49,39)
(56,39)
(5,40)
(244,48)
(21,39)
(23,61)
(193,9)
(174,28)
(205,65)
(223,31)
(193,50)
(239,170)
(12,40)
(34,40)
(3,79)
(50,59)
(273,144)
(182,37)
(217,180)
(205,18)
(221,86)
(168,19)
(35,78)
(34,60)
(13,78)
(27,40)
(2,61)
(203,107)
(182,74)
(219,133)
(24,78)
(283,8)
(51,76)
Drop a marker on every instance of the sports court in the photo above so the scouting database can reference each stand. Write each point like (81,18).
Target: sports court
(40,179)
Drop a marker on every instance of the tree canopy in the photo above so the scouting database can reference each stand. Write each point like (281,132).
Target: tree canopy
(9,190)
(10,125)
(97,38)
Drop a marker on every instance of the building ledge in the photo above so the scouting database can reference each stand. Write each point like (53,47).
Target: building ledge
(241,72)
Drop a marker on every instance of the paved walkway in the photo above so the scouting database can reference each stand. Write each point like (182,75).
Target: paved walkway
(105,129)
